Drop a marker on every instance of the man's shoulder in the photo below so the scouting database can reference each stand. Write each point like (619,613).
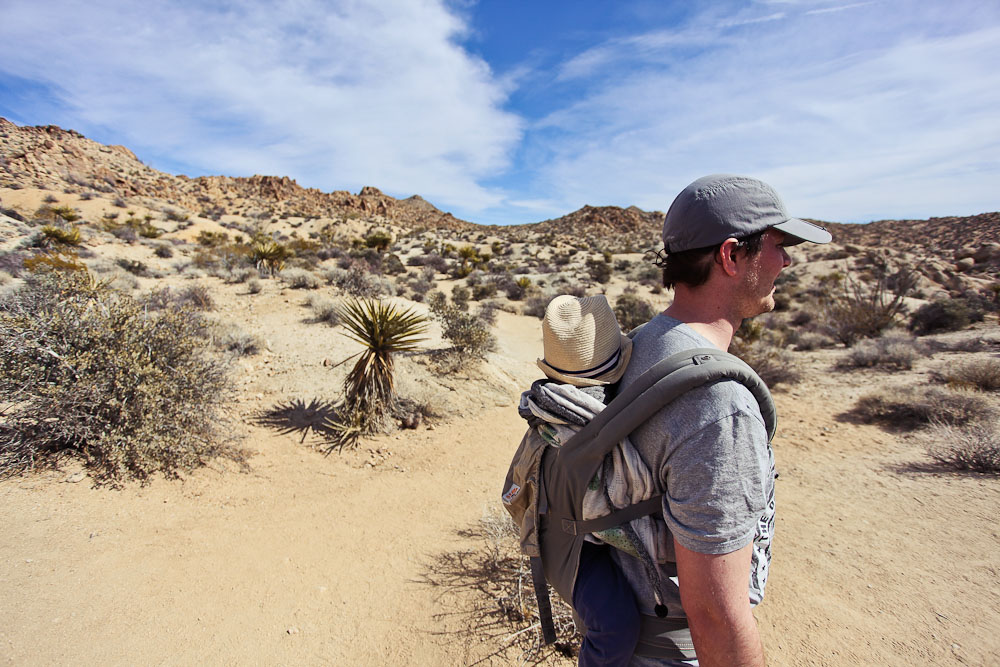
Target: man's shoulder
(663,336)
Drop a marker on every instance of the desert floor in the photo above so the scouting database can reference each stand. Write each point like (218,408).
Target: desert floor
(307,559)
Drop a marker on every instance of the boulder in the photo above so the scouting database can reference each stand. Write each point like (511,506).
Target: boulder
(986,252)
(964,264)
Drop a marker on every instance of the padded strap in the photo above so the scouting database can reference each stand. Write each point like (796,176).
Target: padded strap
(542,598)
(616,518)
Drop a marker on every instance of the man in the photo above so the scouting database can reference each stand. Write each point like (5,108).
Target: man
(724,245)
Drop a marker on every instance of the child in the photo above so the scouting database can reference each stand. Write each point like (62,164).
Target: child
(585,352)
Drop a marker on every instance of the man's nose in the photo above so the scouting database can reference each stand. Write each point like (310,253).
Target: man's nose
(786,257)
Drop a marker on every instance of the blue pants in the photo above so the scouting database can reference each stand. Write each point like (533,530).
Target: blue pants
(604,600)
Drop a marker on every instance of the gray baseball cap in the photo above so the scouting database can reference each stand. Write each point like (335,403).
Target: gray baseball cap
(717,207)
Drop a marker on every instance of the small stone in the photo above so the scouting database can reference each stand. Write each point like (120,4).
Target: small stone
(292,630)
(76,477)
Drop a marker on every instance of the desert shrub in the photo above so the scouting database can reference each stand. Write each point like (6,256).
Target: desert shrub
(810,340)
(421,284)
(945,315)
(325,310)
(392,265)
(893,352)
(761,349)
(632,310)
(175,216)
(863,310)
(433,260)
(468,333)
(195,297)
(534,306)
(163,250)
(599,270)
(119,202)
(972,447)
(801,318)
(486,290)
(254,286)
(300,279)
(124,233)
(92,371)
(12,262)
(983,374)
(358,282)
(212,239)
(379,240)
(460,296)
(239,275)
(133,266)
(240,343)
(908,408)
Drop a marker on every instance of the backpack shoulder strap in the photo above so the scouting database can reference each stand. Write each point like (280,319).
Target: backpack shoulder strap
(657,387)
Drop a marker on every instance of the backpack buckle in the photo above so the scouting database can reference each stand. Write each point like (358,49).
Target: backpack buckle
(702,358)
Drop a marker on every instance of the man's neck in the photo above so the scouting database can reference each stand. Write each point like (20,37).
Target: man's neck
(704,315)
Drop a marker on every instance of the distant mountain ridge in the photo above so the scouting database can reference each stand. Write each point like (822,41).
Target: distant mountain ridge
(53,158)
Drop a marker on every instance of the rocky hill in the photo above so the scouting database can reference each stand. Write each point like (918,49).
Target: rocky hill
(52,158)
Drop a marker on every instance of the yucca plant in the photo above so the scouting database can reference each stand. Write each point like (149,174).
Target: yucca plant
(269,256)
(369,389)
(53,235)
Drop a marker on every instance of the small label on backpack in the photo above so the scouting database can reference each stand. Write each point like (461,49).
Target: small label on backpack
(511,493)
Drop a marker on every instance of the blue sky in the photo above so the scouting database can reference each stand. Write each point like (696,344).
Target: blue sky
(510,111)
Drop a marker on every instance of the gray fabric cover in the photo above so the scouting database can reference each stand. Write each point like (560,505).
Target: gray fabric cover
(567,470)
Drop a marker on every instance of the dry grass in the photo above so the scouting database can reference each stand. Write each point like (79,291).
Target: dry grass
(504,611)
(890,352)
(908,408)
(973,447)
(982,374)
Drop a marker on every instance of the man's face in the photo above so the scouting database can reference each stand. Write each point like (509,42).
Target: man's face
(757,288)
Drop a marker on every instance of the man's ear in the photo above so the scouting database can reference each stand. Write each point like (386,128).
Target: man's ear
(726,256)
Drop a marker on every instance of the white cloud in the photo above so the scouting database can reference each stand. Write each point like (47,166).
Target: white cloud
(338,94)
(853,115)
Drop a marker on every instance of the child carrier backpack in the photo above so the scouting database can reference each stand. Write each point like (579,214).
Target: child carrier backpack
(545,485)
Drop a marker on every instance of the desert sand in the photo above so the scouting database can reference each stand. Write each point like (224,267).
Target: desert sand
(312,559)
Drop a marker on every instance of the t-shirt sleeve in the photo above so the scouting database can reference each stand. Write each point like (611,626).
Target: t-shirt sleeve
(716,484)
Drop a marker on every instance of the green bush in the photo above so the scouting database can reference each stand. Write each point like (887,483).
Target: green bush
(632,310)
(469,334)
(945,315)
(90,370)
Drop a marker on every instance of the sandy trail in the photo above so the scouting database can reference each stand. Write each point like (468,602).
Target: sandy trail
(326,560)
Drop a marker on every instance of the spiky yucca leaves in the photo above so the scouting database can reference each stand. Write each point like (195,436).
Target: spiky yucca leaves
(369,389)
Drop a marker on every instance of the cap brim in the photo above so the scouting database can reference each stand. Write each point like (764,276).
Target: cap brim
(800,231)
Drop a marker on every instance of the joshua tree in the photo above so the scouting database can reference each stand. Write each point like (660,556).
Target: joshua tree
(369,391)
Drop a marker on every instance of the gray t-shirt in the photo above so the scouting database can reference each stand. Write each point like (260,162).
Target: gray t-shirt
(712,461)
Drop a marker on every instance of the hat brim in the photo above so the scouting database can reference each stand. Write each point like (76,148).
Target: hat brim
(611,376)
(801,231)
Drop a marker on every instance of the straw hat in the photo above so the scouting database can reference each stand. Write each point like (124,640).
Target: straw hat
(583,344)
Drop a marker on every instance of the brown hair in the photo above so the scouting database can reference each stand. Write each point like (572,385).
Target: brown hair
(692,267)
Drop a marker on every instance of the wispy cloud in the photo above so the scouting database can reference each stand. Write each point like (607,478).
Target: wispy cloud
(853,114)
(338,94)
